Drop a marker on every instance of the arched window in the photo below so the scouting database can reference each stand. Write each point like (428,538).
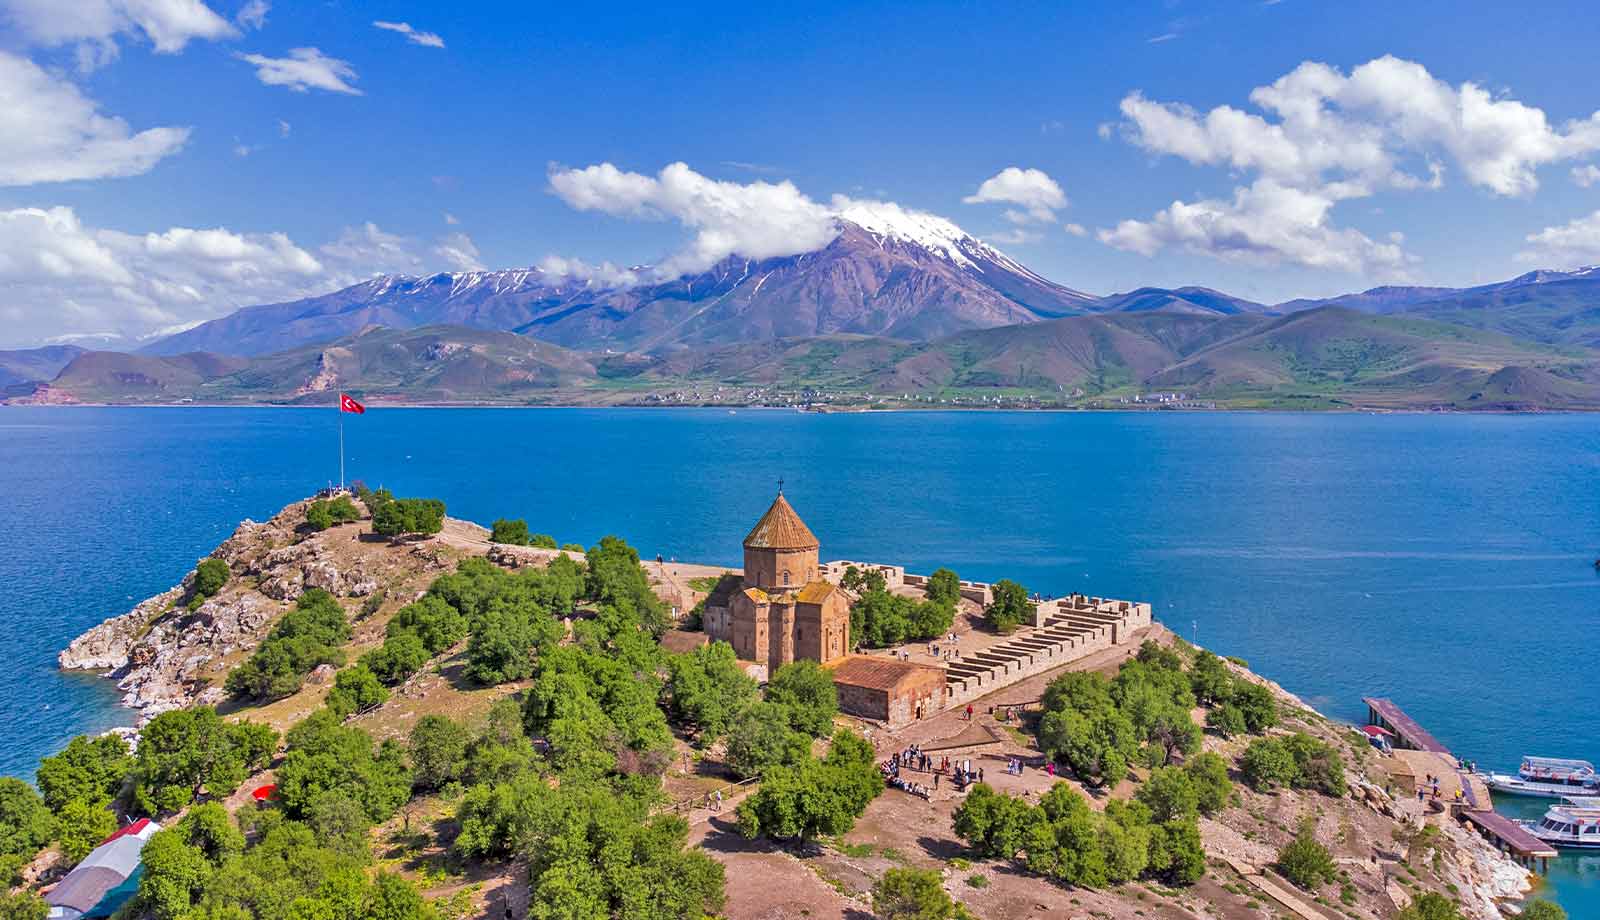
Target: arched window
(785,577)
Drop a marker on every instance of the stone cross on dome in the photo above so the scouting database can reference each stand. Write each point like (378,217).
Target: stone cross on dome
(780,485)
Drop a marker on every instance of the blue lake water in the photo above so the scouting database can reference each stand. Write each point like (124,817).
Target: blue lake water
(1443,560)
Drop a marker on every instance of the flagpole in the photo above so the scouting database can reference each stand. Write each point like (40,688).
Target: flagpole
(340,407)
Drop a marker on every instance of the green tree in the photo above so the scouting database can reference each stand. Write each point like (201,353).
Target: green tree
(320,515)
(616,578)
(210,829)
(81,825)
(392,898)
(403,517)
(1306,862)
(356,689)
(324,755)
(305,638)
(22,905)
(1010,607)
(1213,788)
(913,894)
(398,658)
(88,769)
(1268,764)
(1256,704)
(210,576)
(1177,853)
(1210,678)
(1170,793)
(1540,909)
(175,873)
(993,824)
(1226,720)
(438,746)
(433,620)
(1430,905)
(1318,765)
(707,688)
(510,530)
(807,690)
(944,587)
(508,639)
(26,825)
(817,797)
(184,751)
(761,738)
(545,541)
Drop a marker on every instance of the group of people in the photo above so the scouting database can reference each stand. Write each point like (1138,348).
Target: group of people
(1430,787)
(913,758)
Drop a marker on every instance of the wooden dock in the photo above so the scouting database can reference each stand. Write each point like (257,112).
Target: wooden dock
(1510,837)
(1385,714)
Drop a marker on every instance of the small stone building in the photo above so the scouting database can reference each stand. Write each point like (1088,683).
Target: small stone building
(886,690)
(782,610)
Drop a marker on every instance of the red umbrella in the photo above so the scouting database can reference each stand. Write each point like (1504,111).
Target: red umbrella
(265,792)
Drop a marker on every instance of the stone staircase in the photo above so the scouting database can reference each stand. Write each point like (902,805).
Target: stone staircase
(1068,629)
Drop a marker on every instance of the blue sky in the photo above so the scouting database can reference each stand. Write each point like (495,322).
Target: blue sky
(1475,138)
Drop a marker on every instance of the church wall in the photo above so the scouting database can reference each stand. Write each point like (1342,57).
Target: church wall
(764,568)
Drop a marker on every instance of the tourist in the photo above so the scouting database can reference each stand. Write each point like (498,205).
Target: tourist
(1050,768)
(936,781)
(718,806)
(980,774)
(969,712)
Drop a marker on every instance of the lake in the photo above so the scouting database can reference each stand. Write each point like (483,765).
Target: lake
(1446,561)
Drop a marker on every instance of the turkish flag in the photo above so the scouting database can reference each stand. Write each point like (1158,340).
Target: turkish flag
(346,404)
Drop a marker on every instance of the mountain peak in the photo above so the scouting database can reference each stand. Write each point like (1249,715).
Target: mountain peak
(885,219)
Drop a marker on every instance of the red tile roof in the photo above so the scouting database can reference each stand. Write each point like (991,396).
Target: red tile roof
(781,528)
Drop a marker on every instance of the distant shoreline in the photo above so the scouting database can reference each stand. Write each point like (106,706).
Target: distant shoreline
(1125,410)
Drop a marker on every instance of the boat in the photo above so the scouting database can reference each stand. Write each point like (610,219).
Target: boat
(1574,824)
(1549,777)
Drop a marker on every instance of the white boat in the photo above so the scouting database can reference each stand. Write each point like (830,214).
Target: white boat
(1574,824)
(1550,777)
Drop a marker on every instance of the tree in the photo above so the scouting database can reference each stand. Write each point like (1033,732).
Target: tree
(993,824)
(1010,607)
(817,797)
(356,689)
(1306,862)
(1540,909)
(1210,678)
(507,641)
(210,576)
(707,688)
(1213,789)
(398,658)
(26,825)
(88,769)
(324,755)
(1267,764)
(1256,704)
(913,894)
(184,751)
(433,619)
(1177,854)
(1170,793)
(510,530)
(438,748)
(1226,720)
(320,515)
(616,578)
(545,541)
(1430,905)
(1318,765)
(403,517)
(761,738)
(23,905)
(174,874)
(392,898)
(944,587)
(81,826)
(807,690)
(305,638)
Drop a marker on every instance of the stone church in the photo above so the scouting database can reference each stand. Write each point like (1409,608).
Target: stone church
(782,610)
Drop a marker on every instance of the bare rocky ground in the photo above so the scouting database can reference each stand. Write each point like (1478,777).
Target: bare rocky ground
(165,656)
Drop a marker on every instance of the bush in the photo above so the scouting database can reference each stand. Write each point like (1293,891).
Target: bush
(87,770)
(305,638)
(1430,905)
(325,756)
(1540,909)
(1256,705)
(1306,862)
(761,738)
(210,576)
(322,514)
(22,905)
(1010,607)
(707,688)
(914,894)
(81,826)
(397,659)
(26,825)
(572,547)
(879,619)
(356,689)
(1170,793)
(1267,764)
(1226,720)
(545,541)
(438,624)
(816,798)
(184,751)
(1213,788)
(510,530)
(944,587)
(994,825)
(438,751)
(407,516)
(807,691)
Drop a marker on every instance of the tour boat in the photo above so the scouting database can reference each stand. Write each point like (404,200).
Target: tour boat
(1550,777)
(1575,824)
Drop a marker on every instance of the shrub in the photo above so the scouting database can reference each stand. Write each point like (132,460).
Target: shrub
(82,825)
(816,798)
(306,637)
(1306,862)
(545,541)
(210,576)
(913,894)
(1256,705)
(356,689)
(761,738)
(88,770)
(26,825)
(1540,909)
(807,692)
(1170,793)
(1267,764)
(325,756)
(186,750)
(707,688)
(438,747)
(944,587)
(994,825)
(407,516)
(322,514)
(1213,788)
(510,530)
(1226,720)
(1010,607)
(398,658)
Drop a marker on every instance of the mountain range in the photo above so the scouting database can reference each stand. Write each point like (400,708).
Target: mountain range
(898,307)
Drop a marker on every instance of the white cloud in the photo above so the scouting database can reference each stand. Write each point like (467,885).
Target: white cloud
(1038,194)
(1266,223)
(414,36)
(1572,244)
(1586,175)
(95,25)
(51,132)
(1076,229)
(1387,123)
(304,69)
(241,149)
(1016,236)
(1163,37)
(604,273)
(459,253)
(451,219)
(65,279)
(758,220)
(284,128)
(253,15)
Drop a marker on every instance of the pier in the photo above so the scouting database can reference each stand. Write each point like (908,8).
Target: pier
(1422,754)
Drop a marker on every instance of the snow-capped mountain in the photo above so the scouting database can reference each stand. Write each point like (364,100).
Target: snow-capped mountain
(888,272)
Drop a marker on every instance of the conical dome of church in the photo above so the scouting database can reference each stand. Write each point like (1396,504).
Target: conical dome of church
(781,529)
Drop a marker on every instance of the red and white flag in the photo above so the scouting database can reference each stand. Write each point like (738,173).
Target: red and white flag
(347,404)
